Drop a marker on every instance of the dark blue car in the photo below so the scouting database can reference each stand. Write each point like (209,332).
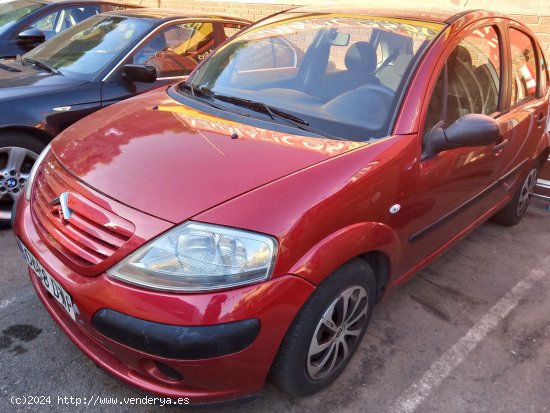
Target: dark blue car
(24,24)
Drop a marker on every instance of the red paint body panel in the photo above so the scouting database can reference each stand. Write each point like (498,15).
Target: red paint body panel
(273,303)
(207,167)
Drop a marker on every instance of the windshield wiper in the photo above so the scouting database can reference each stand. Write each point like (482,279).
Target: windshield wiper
(43,66)
(206,97)
(9,68)
(273,113)
(260,106)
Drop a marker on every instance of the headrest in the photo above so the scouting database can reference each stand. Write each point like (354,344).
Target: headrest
(401,64)
(462,54)
(361,56)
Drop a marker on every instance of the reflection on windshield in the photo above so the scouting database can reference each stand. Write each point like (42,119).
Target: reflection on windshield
(341,74)
(85,49)
(14,11)
(201,121)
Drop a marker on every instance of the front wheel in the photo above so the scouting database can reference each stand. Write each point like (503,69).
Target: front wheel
(327,331)
(18,152)
(512,213)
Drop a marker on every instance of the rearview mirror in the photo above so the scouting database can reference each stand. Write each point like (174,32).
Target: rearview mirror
(140,73)
(31,36)
(339,39)
(469,130)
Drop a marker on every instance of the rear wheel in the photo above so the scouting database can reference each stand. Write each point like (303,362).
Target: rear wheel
(512,213)
(326,332)
(18,152)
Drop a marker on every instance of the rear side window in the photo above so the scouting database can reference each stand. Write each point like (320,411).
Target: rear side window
(524,67)
(470,81)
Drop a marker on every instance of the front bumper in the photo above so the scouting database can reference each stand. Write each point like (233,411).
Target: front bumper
(256,317)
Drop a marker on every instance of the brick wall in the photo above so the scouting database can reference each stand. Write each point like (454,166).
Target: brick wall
(535,14)
(250,11)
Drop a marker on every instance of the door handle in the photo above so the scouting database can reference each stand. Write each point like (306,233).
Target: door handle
(498,148)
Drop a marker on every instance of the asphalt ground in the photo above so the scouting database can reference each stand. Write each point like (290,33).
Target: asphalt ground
(467,334)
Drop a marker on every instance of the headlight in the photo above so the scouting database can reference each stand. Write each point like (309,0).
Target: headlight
(199,257)
(32,174)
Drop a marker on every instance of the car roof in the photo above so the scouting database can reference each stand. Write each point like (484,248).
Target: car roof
(171,14)
(431,14)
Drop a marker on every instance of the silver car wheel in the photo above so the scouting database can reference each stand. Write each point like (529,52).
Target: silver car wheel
(15,166)
(337,332)
(526,192)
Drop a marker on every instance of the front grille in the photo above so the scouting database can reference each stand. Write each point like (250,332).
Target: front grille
(89,236)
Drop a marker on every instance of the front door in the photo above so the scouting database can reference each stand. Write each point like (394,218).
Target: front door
(454,187)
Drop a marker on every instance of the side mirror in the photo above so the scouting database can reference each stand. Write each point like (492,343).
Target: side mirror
(469,130)
(140,73)
(31,36)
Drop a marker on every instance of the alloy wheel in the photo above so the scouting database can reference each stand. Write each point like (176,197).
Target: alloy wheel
(337,332)
(526,192)
(15,166)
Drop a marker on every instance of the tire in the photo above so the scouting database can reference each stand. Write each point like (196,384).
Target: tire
(24,149)
(295,370)
(512,213)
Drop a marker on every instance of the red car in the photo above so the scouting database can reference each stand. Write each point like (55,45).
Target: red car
(197,239)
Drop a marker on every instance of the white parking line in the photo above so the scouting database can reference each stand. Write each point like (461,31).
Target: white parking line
(6,303)
(411,398)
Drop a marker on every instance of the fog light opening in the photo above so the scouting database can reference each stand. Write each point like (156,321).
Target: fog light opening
(160,371)
(170,373)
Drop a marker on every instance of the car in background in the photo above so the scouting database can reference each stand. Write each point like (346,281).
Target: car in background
(194,240)
(107,58)
(24,24)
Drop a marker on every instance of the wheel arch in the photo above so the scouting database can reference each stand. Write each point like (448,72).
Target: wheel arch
(543,148)
(39,134)
(374,243)
(543,156)
(380,264)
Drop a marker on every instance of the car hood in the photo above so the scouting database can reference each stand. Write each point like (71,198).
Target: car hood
(27,81)
(171,161)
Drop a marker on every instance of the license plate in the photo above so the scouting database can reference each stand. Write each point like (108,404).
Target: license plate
(53,287)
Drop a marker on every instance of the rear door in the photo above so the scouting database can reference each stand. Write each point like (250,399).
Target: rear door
(526,119)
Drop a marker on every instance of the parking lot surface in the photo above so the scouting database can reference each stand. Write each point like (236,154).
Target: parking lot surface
(469,333)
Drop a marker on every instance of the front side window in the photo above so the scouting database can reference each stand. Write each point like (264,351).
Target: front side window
(524,67)
(319,69)
(177,50)
(469,83)
(85,49)
(61,19)
(13,11)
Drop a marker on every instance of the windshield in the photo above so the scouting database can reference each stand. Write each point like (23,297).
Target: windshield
(336,76)
(14,11)
(85,49)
